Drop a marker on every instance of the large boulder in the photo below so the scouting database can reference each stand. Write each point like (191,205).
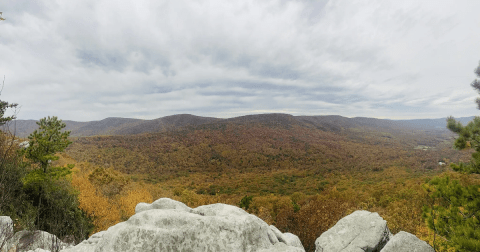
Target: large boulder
(168,225)
(34,241)
(361,231)
(406,242)
(6,231)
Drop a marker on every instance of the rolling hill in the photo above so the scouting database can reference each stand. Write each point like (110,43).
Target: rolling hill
(332,123)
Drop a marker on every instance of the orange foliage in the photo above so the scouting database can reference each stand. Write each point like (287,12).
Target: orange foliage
(131,199)
(104,213)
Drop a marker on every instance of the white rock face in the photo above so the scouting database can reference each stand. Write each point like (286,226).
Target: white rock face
(24,144)
(6,231)
(406,242)
(168,225)
(34,241)
(162,203)
(293,240)
(361,231)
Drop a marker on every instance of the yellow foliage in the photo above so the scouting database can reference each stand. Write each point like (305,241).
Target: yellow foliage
(268,207)
(97,206)
(131,199)
(190,198)
(425,234)
(265,215)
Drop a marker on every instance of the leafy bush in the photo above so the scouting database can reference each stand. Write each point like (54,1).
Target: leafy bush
(245,202)
(57,207)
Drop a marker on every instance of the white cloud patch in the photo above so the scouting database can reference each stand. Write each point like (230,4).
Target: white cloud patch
(87,60)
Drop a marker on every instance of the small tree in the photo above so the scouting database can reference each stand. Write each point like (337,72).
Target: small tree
(46,141)
(455,212)
(47,188)
(11,194)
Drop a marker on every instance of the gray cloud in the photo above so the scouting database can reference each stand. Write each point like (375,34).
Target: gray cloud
(87,60)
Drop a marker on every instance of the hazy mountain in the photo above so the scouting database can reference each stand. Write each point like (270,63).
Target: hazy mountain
(107,126)
(166,123)
(439,123)
(333,123)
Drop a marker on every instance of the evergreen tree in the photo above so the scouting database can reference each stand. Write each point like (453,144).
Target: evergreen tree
(455,209)
(46,141)
(48,189)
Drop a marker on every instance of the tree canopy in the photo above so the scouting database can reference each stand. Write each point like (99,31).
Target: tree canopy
(455,209)
(46,141)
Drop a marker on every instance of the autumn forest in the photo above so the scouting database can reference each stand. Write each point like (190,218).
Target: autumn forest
(300,174)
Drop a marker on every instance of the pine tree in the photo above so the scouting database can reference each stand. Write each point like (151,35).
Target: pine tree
(46,141)
(48,189)
(455,210)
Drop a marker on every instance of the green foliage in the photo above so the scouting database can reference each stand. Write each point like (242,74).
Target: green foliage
(454,211)
(296,207)
(245,202)
(47,189)
(454,214)
(46,141)
(11,193)
(476,83)
(56,203)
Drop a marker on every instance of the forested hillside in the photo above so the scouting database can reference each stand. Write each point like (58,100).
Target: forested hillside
(282,169)
(129,126)
(301,174)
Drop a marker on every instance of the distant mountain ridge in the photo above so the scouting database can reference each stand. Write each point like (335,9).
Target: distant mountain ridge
(131,126)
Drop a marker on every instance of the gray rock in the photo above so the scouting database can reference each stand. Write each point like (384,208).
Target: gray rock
(282,247)
(278,234)
(87,245)
(32,240)
(162,203)
(293,240)
(6,230)
(168,225)
(406,242)
(358,232)
(39,250)
(219,210)
(272,237)
(24,144)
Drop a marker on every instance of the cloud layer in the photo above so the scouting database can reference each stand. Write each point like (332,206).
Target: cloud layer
(88,60)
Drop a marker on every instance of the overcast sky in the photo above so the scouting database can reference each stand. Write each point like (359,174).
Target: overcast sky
(91,59)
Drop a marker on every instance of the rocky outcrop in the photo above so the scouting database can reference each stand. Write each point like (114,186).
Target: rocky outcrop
(168,225)
(359,231)
(6,231)
(406,242)
(363,231)
(34,241)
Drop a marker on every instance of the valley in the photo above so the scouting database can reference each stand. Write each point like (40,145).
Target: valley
(298,174)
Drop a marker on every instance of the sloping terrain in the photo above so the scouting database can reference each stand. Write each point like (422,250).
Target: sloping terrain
(333,123)
(117,126)
(282,168)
